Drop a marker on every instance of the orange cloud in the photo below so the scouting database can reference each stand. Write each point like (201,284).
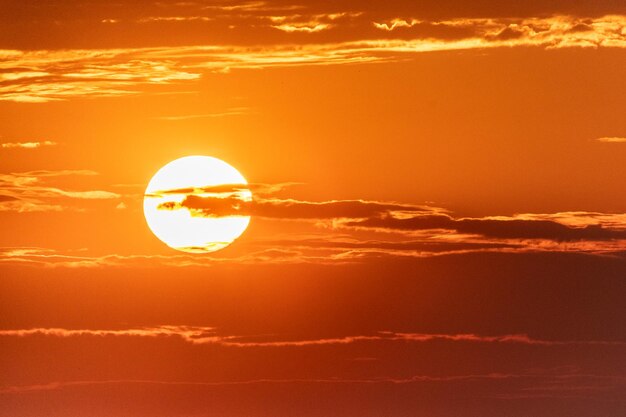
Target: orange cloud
(53,259)
(396,23)
(613,139)
(24,191)
(309,27)
(187,333)
(310,23)
(27,145)
(198,335)
(40,76)
(175,19)
(236,111)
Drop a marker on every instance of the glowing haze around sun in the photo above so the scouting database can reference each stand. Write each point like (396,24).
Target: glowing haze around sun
(185,229)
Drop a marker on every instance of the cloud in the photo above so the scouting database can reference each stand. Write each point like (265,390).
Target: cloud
(396,23)
(49,258)
(288,209)
(26,192)
(395,217)
(414,246)
(493,228)
(187,333)
(227,190)
(271,255)
(56,173)
(321,251)
(27,145)
(236,111)
(199,335)
(248,6)
(369,231)
(45,75)
(573,218)
(556,383)
(547,384)
(85,73)
(152,19)
(311,23)
(613,139)
(310,27)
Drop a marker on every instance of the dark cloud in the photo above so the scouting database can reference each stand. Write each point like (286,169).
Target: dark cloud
(287,209)
(502,229)
(393,217)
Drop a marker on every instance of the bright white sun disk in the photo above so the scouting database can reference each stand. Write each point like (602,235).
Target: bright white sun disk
(180,229)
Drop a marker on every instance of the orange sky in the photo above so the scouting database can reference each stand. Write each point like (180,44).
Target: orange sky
(438,225)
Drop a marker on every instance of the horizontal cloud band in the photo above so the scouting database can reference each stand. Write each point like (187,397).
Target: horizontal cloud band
(208,336)
(392,217)
(44,75)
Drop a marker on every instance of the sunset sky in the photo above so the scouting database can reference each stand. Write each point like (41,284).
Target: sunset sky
(437,221)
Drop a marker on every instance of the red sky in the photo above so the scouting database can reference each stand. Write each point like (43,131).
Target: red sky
(438,225)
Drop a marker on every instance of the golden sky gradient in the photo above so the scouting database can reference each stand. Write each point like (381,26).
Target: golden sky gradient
(437,227)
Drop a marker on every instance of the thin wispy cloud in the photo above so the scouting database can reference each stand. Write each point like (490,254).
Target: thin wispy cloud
(396,23)
(48,258)
(228,190)
(557,382)
(175,19)
(311,23)
(306,253)
(309,27)
(27,145)
(612,139)
(248,6)
(30,191)
(552,384)
(199,335)
(236,111)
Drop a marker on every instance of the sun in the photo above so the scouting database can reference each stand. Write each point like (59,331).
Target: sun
(184,229)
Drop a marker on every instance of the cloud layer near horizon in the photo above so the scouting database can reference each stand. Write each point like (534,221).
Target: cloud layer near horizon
(198,335)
